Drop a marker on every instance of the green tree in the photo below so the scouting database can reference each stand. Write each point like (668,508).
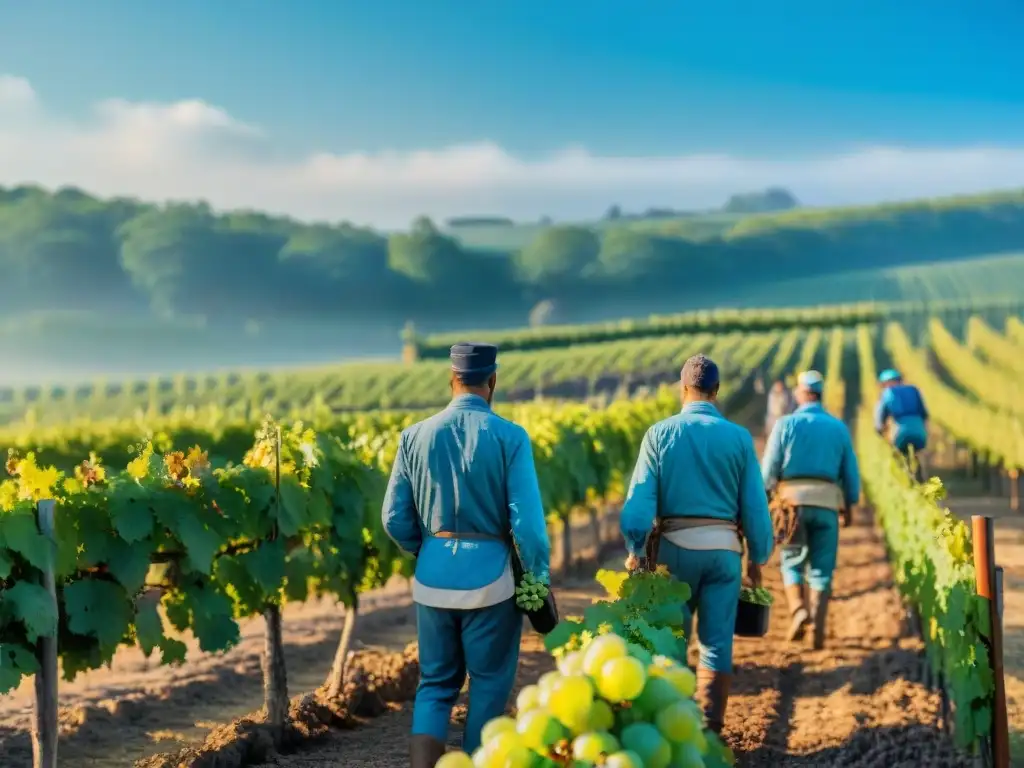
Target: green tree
(559,255)
(423,254)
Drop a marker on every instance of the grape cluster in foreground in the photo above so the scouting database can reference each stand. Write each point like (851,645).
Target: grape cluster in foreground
(610,704)
(530,593)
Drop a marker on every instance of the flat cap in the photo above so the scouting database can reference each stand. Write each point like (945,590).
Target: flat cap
(474,358)
(699,372)
(812,381)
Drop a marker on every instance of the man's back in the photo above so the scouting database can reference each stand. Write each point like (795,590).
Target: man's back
(699,464)
(702,458)
(812,444)
(903,404)
(456,460)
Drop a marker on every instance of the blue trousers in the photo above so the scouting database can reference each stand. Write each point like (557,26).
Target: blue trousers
(817,554)
(483,642)
(714,577)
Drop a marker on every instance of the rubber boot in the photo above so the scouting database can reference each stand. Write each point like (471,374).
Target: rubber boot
(425,751)
(819,614)
(795,596)
(713,696)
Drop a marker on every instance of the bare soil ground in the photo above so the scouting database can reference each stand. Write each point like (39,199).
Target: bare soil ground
(860,702)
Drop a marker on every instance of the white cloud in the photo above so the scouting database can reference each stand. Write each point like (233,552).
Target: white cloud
(193,150)
(16,93)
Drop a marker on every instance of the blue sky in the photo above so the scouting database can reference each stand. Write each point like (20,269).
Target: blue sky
(617,77)
(753,80)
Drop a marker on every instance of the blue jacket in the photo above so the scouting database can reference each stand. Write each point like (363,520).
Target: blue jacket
(698,464)
(812,443)
(466,469)
(905,406)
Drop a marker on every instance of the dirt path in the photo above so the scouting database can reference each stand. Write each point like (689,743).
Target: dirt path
(857,703)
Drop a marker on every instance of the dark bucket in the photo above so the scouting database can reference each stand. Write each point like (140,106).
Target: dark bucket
(752,619)
(545,618)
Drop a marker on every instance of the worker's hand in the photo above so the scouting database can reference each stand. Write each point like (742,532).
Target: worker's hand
(754,573)
(845,517)
(632,563)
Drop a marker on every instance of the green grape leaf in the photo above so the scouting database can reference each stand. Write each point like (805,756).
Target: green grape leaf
(266,563)
(319,508)
(19,533)
(293,513)
(149,627)
(94,535)
(299,568)
(212,620)
(562,634)
(149,632)
(16,662)
(201,542)
(129,563)
(131,516)
(658,640)
(981,616)
(100,609)
(66,523)
(32,605)
(6,565)
(248,596)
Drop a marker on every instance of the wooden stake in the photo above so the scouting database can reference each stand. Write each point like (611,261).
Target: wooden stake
(44,725)
(988,581)
(336,678)
(566,546)
(275,678)
(595,531)
(1014,489)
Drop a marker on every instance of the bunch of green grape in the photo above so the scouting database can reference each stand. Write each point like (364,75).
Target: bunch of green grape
(530,593)
(757,596)
(610,704)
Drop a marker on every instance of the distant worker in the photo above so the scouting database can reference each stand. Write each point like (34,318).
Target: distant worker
(697,485)
(463,486)
(903,405)
(810,468)
(780,402)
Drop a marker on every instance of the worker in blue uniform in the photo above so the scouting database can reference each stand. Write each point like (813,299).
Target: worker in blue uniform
(903,405)
(463,491)
(810,466)
(697,485)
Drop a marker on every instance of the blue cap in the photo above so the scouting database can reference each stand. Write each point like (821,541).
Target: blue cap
(474,358)
(890,374)
(812,381)
(699,372)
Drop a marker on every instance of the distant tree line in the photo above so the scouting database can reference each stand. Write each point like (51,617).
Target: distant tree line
(70,251)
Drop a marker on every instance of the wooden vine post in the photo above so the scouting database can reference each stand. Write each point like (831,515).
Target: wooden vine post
(336,677)
(1014,475)
(44,723)
(567,563)
(989,581)
(275,678)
